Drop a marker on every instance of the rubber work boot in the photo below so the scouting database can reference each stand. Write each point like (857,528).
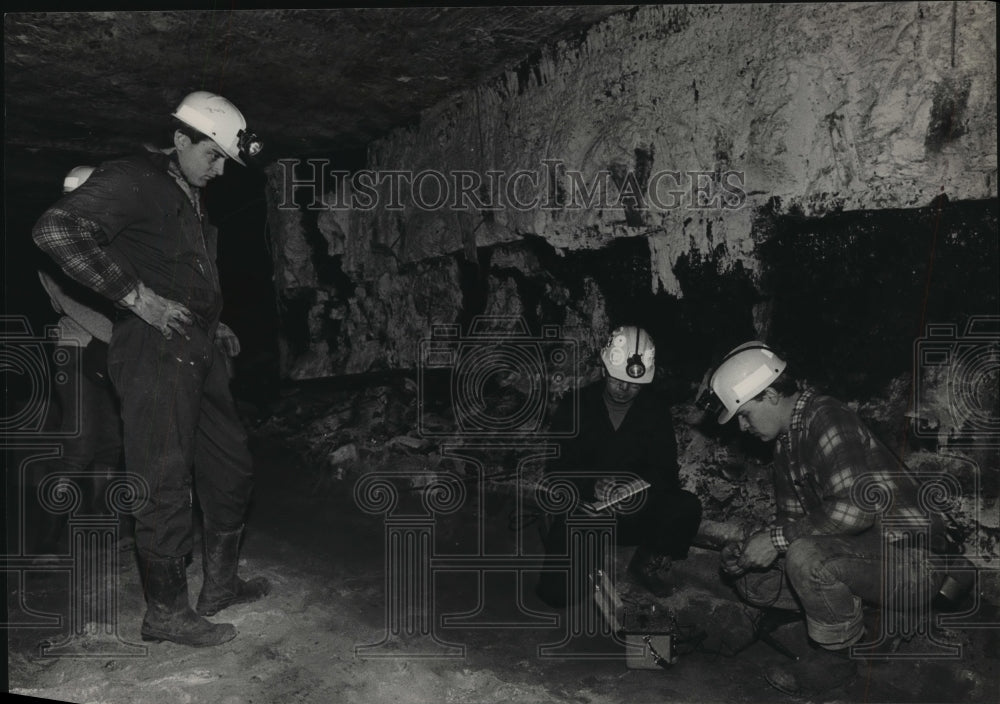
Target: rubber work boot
(650,569)
(168,612)
(816,673)
(222,587)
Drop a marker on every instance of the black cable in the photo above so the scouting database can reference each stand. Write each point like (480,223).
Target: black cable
(781,587)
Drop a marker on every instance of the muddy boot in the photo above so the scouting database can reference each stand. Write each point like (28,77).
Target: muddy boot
(222,587)
(168,612)
(650,569)
(815,673)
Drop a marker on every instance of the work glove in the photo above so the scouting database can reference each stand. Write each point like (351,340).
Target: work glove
(164,314)
(730,558)
(758,552)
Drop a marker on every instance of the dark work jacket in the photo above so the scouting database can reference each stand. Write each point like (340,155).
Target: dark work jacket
(152,230)
(644,443)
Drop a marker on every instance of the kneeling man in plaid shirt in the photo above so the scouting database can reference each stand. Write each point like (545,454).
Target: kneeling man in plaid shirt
(835,484)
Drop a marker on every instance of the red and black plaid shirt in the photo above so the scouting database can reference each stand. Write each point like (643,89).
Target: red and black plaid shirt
(817,464)
(75,243)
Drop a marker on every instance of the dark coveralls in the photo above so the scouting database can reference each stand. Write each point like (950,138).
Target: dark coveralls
(177,411)
(644,444)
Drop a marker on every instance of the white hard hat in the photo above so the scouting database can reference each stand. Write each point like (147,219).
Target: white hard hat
(744,373)
(216,117)
(630,355)
(75,178)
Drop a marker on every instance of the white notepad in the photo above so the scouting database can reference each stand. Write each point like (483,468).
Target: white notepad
(619,494)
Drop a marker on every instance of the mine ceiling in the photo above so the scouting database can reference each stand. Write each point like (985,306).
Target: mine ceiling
(81,86)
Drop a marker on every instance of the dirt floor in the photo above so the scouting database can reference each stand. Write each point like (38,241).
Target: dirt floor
(327,633)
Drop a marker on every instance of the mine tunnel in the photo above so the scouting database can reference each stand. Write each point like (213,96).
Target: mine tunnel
(446,236)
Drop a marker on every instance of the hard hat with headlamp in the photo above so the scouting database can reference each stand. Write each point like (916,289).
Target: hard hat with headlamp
(216,117)
(744,373)
(630,355)
(75,178)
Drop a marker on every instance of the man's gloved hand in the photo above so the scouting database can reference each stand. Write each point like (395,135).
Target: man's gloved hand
(730,558)
(227,340)
(164,314)
(758,551)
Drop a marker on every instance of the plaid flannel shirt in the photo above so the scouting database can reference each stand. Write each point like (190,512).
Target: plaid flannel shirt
(816,465)
(74,243)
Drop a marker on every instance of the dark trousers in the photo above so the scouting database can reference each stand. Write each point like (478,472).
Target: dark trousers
(98,437)
(179,415)
(666,526)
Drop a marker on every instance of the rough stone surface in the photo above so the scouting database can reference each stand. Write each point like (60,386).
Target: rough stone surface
(828,111)
(827,108)
(847,123)
(293,259)
(310,81)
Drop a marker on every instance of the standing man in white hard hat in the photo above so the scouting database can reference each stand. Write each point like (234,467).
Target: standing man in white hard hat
(625,427)
(823,553)
(136,233)
(88,407)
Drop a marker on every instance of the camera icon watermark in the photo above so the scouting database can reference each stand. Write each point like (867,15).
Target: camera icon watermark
(957,383)
(34,369)
(500,380)
(43,416)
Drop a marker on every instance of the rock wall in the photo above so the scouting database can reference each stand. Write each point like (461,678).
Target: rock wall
(694,118)
(826,107)
(820,176)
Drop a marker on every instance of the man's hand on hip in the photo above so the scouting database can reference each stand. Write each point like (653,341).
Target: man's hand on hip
(165,315)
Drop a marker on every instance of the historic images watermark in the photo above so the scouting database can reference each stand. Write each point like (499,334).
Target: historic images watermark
(501,352)
(496,352)
(316,185)
(487,393)
(956,406)
(957,383)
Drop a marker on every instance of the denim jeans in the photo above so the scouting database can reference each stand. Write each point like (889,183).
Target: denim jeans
(830,577)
